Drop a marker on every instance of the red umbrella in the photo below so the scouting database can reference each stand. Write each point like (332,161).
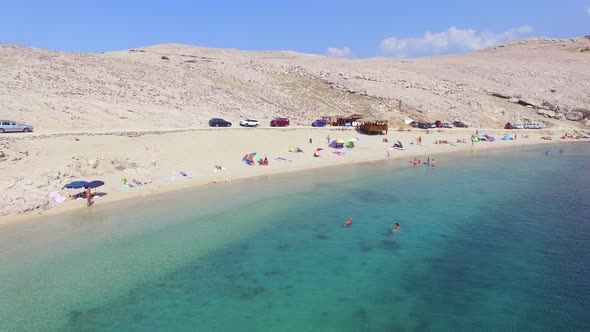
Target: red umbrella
(318,149)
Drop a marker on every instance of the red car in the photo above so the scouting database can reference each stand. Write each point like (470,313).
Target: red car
(279,122)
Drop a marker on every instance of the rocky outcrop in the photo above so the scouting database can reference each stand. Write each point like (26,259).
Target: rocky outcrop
(574,116)
(549,106)
(585,112)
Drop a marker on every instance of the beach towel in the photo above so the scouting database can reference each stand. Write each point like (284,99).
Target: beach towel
(281,158)
(57,197)
(338,153)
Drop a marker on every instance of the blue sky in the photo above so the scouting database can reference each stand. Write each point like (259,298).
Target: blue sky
(339,28)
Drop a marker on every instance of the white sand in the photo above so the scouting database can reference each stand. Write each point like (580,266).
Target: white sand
(46,164)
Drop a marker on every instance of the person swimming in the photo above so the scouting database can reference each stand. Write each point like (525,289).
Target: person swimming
(396,228)
(348,222)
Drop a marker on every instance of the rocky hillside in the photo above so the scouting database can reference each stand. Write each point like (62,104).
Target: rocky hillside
(178,86)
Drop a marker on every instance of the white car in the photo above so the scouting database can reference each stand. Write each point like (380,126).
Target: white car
(447,125)
(532,125)
(249,123)
(518,126)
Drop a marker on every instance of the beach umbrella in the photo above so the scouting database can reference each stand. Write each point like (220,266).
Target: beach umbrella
(354,139)
(340,141)
(318,149)
(95,184)
(249,158)
(77,184)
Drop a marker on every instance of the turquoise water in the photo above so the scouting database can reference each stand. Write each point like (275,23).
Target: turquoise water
(494,240)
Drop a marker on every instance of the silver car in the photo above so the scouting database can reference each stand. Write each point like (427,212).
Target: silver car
(7,126)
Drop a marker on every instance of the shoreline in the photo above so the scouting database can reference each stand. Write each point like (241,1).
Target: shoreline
(368,145)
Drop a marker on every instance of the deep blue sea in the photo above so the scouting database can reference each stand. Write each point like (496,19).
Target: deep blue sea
(489,241)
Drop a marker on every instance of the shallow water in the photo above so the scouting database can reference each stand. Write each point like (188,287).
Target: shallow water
(490,240)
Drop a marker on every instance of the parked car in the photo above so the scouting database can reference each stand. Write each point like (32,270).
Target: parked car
(532,125)
(425,125)
(518,126)
(319,123)
(438,124)
(508,126)
(279,122)
(216,122)
(414,124)
(447,125)
(7,126)
(460,124)
(249,123)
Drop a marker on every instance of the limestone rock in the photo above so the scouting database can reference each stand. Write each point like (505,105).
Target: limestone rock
(548,106)
(546,113)
(93,163)
(574,116)
(585,112)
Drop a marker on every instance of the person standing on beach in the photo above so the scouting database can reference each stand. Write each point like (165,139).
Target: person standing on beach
(88,196)
(328,139)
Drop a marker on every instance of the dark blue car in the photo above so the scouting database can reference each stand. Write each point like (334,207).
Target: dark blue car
(319,123)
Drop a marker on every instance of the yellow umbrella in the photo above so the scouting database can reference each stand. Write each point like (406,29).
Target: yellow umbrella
(339,141)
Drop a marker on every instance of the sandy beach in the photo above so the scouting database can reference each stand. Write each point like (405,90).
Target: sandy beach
(143,113)
(165,161)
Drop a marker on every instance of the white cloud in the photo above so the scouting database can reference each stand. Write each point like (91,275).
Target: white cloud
(452,40)
(338,52)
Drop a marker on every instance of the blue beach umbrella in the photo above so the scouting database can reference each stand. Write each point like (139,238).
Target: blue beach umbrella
(77,184)
(95,184)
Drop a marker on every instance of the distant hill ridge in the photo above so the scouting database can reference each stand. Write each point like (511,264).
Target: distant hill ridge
(180,86)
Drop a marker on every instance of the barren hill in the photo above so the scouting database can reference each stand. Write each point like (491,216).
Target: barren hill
(179,86)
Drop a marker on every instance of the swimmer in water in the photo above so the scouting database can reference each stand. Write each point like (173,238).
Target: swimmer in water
(396,228)
(348,222)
